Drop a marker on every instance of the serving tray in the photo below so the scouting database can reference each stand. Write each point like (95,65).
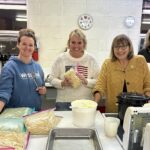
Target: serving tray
(73,139)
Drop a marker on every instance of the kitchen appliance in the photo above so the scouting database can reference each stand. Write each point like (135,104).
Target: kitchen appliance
(135,120)
(127,99)
(146,144)
(73,139)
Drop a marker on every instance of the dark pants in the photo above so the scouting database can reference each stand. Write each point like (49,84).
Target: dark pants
(63,106)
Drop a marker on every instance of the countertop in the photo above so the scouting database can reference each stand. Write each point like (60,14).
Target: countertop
(39,142)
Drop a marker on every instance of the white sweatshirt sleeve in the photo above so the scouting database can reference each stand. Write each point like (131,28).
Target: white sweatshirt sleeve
(55,78)
(93,72)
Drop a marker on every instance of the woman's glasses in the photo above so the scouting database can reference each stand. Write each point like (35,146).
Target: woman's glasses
(123,47)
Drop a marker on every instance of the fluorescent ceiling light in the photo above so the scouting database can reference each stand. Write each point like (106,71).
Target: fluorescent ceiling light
(146,11)
(6,32)
(146,19)
(21,16)
(145,22)
(13,1)
(21,19)
(16,7)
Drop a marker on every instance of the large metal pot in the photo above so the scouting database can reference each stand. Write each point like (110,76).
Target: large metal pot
(126,99)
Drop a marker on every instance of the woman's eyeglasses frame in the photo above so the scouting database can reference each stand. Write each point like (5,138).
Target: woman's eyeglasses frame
(123,47)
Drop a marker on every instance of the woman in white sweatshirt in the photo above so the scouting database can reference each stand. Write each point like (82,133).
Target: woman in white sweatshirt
(85,66)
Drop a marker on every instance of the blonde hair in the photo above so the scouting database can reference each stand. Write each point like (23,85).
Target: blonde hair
(80,34)
(147,40)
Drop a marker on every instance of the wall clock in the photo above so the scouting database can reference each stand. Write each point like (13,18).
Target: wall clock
(129,21)
(85,21)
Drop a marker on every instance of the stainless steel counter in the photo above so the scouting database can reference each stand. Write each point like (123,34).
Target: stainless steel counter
(39,142)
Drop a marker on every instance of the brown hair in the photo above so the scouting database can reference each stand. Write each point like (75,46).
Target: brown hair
(121,39)
(80,34)
(27,32)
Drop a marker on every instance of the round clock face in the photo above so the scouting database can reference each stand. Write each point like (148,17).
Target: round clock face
(85,21)
(129,21)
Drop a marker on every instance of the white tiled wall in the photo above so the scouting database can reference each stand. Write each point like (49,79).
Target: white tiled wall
(53,20)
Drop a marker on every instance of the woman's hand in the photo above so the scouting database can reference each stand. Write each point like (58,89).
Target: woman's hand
(41,90)
(2,104)
(97,97)
(82,78)
(147,94)
(66,82)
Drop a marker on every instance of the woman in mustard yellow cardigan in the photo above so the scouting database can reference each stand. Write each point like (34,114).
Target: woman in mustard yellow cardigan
(123,72)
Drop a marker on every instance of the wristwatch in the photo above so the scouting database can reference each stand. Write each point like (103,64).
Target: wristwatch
(85,21)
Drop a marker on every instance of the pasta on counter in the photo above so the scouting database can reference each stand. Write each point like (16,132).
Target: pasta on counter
(42,122)
(13,140)
(16,112)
